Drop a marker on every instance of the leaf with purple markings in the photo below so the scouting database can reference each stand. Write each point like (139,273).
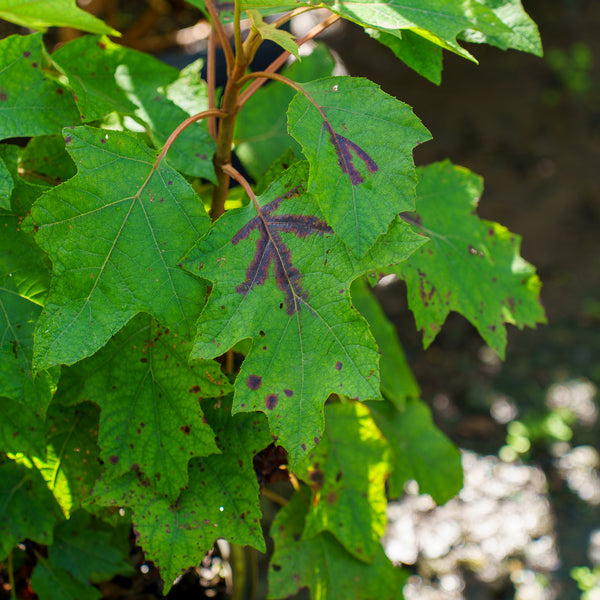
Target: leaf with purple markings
(470,265)
(283,281)
(358,142)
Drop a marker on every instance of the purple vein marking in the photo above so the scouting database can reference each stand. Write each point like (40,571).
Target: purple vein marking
(343,149)
(270,248)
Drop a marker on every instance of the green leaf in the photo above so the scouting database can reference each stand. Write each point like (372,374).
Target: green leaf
(221,500)
(414,50)
(524,34)
(151,420)
(261,136)
(54,583)
(421,451)
(46,155)
(439,21)
(106,77)
(22,429)
(31,103)
(323,566)
(398,384)
(23,282)
(115,233)
(27,508)
(347,472)
(84,547)
(470,265)
(282,279)
(358,141)
(39,14)
(71,464)
(270,32)
(6,186)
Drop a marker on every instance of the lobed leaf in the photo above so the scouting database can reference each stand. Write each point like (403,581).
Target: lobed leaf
(322,565)
(470,265)
(282,279)
(420,451)
(221,500)
(151,421)
(30,102)
(114,233)
(358,141)
(347,472)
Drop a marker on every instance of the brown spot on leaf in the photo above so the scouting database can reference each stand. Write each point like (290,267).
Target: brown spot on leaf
(186,429)
(338,366)
(271,401)
(195,389)
(114,459)
(254,382)
(288,393)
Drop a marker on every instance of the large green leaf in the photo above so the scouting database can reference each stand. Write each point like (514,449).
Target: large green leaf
(151,419)
(398,383)
(31,103)
(261,136)
(524,33)
(282,279)
(470,265)
(115,233)
(320,564)
(439,21)
(27,508)
(359,142)
(420,450)
(221,500)
(23,282)
(40,14)
(106,77)
(347,471)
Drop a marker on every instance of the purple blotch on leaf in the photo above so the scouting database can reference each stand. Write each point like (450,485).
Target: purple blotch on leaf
(343,150)
(288,393)
(271,401)
(338,365)
(254,382)
(270,248)
(113,459)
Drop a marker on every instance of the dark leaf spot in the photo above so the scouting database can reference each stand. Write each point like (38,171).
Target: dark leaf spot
(26,54)
(331,497)
(271,401)
(195,389)
(338,365)
(254,382)
(303,446)
(186,429)
(343,149)
(113,459)
(288,393)
(3,96)
(276,567)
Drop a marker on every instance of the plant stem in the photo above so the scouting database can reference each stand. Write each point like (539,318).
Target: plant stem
(210,81)
(274,496)
(219,29)
(280,60)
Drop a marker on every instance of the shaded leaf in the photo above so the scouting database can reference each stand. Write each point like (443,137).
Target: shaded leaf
(261,137)
(22,429)
(107,77)
(398,384)
(23,282)
(283,280)
(47,155)
(39,14)
(27,508)
(115,233)
(323,566)
(420,450)
(6,186)
(347,471)
(84,547)
(30,102)
(151,419)
(358,141)
(470,265)
(54,583)
(524,33)
(221,500)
